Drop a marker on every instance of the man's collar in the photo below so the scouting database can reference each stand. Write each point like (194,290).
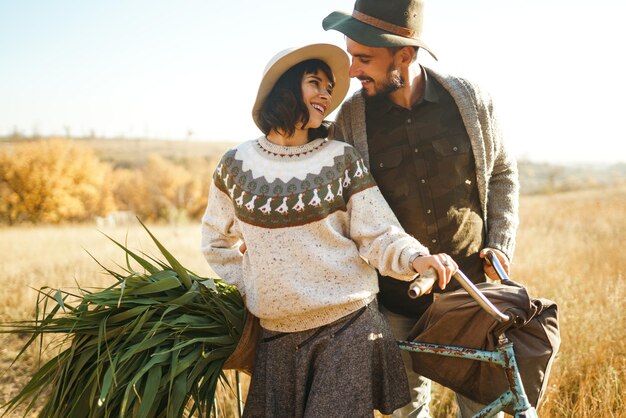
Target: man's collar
(430,89)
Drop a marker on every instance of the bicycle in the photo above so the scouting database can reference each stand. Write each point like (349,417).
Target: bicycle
(503,356)
(514,398)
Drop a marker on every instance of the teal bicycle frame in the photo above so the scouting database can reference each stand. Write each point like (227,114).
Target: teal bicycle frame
(503,357)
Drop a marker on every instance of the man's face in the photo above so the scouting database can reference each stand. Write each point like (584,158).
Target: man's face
(375,67)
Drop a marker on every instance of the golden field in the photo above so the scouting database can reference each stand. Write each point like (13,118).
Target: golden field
(569,249)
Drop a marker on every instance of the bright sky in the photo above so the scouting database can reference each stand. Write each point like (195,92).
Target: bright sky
(160,69)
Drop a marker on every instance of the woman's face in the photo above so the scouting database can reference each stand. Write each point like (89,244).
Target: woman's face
(317,95)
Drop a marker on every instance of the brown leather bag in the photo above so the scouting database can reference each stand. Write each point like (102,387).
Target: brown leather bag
(242,358)
(456,319)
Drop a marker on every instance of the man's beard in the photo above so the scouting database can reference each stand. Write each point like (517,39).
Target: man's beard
(393,82)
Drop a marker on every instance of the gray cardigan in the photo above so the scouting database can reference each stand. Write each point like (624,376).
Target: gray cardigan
(496,168)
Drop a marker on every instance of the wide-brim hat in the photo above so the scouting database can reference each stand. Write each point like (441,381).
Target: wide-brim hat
(384,24)
(332,55)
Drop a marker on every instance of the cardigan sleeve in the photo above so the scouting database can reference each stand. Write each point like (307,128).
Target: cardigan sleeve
(341,126)
(502,190)
(221,238)
(495,164)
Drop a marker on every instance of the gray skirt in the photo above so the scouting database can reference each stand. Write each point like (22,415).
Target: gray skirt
(347,368)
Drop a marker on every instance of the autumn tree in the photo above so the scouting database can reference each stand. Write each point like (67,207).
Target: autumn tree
(52,181)
(158,190)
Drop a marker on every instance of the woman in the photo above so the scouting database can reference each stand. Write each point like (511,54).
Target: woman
(297,223)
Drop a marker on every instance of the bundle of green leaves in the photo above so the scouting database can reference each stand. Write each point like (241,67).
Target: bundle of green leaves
(151,345)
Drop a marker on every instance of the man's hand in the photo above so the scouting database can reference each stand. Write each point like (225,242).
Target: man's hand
(488,268)
(443,264)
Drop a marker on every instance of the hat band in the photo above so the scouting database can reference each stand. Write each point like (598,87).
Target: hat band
(381,24)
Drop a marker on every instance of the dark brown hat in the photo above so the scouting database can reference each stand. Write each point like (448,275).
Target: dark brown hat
(382,23)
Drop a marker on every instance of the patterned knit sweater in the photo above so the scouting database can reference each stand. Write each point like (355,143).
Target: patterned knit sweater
(315,226)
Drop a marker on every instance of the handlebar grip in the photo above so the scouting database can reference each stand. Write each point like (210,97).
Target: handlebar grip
(423,283)
(497,266)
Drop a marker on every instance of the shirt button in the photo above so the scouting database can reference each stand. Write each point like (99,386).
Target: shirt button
(408,120)
(434,241)
(416,150)
(428,211)
(455,149)
(423,181)
(381,165)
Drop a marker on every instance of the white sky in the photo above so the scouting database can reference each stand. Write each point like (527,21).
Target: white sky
(159,69)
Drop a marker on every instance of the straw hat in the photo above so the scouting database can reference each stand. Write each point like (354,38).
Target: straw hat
(332,55)
(385,24)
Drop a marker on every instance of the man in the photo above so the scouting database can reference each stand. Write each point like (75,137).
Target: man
(433,143)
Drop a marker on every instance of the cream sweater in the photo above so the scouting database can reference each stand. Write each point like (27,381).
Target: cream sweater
(315,226)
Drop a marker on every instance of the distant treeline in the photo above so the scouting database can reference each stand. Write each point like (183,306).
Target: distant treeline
(55,181)
(544,178)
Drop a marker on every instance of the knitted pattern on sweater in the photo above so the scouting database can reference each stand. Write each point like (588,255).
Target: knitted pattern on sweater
(281,203)
(315,226)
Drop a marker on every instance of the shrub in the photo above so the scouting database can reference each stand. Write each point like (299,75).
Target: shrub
(52,181)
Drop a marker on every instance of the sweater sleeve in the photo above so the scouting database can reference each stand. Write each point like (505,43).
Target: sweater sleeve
(221,238)
(374,228)
(380,238)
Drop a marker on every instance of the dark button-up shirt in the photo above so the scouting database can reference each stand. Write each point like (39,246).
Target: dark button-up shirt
(422,160)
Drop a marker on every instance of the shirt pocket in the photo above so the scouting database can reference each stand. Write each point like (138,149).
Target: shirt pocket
(451,146)
(389,173)
(454,163)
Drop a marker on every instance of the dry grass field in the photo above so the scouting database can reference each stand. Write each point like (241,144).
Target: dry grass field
(570,249)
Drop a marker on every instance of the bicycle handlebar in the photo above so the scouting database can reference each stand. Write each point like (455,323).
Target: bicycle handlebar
(479,297)
(423,283)
(493,260)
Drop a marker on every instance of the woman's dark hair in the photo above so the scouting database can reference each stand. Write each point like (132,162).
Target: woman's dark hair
(284,107)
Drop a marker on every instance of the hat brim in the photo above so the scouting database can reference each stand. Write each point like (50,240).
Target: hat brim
(369,35)
(335,57)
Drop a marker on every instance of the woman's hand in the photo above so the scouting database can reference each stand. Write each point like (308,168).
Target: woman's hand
(443,264)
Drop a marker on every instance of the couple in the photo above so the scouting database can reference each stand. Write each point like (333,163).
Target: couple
(312,230)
